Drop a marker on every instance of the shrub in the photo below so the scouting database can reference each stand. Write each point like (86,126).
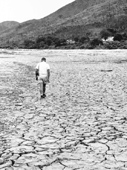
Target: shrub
(83,39)
(113,45)
(118,37)
(40,39)
(29,44)
(105,34)
(76,39)
(110,30)
(95,42)
(124,36)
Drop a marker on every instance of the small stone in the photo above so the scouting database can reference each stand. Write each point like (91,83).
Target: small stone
(14,157)
(7,164)
(103,140)
(9,168)
(1,160)
(122,157)
(18,104)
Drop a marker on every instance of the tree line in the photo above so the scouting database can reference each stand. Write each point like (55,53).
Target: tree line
(84,42)
(75,42)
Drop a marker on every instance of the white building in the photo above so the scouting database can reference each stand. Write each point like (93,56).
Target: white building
(109,39)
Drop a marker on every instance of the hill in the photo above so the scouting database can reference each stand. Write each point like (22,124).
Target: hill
(4,26)
(79,18)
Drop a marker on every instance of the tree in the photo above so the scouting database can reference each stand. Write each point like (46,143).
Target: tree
(76,39)
(95,42)
(40,39)
(105,34)
(118,37)
(83,39)
(29,44)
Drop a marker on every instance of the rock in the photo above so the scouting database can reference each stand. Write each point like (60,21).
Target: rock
(121,157)
(1,161)
(6,164)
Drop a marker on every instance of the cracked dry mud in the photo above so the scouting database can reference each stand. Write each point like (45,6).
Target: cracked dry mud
(82,123)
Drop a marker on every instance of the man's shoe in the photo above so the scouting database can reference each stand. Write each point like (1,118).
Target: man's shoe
(43,96)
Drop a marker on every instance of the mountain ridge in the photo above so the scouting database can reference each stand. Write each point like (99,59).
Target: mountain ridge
(5,25)
(92,15)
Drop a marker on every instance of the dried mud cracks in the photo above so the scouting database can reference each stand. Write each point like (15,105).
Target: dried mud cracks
(81,125)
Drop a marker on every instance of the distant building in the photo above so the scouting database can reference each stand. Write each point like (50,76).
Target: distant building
(70,42)
(109,39)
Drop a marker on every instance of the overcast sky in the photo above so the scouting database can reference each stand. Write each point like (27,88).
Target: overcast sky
(23,10)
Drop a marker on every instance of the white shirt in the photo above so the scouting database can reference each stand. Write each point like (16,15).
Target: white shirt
(43,67)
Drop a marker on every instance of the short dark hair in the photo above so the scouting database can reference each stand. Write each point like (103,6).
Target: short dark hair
(43,59)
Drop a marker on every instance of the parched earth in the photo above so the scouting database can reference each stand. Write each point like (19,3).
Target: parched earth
(80,125)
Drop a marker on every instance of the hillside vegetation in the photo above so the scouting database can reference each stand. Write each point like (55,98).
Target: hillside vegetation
(6,25)
(81,19)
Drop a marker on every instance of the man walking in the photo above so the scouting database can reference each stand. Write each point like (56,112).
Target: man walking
(42,75)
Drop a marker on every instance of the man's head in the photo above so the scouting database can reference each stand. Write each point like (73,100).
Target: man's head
(43,59)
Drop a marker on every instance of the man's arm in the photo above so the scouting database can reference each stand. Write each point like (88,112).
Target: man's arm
(36,73)
(48,73)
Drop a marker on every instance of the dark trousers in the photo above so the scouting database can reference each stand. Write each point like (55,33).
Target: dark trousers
(42,87)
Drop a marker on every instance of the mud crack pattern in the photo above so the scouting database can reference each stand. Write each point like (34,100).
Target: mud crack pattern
(80,125)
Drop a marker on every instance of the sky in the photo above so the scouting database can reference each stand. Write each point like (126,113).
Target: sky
(23,10)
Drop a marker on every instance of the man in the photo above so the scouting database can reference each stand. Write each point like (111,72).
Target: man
(42,74)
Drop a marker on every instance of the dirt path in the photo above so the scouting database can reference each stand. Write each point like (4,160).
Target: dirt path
(82,123)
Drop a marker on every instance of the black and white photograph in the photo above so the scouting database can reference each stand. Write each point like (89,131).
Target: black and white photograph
(63,84)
